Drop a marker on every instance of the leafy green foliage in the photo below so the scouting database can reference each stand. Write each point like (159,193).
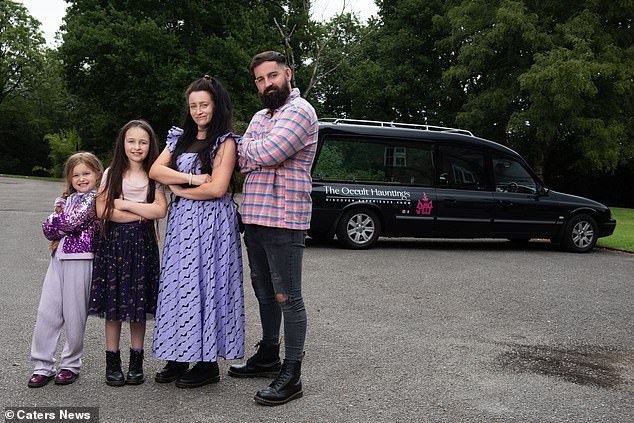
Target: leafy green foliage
(546,78)
(553,80)
(62,144)
(20,49)
(395,75)
(32,94)
(126,60)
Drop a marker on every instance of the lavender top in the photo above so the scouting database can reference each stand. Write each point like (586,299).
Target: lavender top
(76,226)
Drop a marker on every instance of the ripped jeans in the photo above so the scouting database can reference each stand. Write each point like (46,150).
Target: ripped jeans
(275,258)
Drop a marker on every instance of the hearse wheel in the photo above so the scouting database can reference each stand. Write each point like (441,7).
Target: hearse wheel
(580,234)
(358,229)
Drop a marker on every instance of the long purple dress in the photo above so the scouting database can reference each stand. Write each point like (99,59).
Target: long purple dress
(200,311)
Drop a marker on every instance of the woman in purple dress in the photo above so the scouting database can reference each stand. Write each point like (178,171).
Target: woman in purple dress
(200,312)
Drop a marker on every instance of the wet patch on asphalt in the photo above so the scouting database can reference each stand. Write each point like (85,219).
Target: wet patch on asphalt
(599,366)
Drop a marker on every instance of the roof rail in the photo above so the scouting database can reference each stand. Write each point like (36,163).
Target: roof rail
(397,125)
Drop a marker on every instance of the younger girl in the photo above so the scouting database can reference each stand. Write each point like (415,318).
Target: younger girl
(126,268)
(72,229)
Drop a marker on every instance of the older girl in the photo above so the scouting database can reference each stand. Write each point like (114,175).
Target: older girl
(126,270)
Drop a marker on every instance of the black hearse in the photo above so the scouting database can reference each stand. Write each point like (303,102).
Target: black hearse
(374,179)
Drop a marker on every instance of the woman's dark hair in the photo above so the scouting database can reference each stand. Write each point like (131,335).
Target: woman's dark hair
(221,122)
(114,180)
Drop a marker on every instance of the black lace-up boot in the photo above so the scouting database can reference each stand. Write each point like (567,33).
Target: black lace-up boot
(172,371)
(135,371)
(286,387)
(114,374)
(203,373)
(264,363)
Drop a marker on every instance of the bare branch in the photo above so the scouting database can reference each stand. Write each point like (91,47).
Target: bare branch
(316,77)
(316,74)
(289,49)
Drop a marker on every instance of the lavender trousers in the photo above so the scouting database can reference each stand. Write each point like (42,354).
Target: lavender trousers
(63,304)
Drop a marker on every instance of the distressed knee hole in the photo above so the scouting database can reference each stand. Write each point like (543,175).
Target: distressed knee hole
(280,298)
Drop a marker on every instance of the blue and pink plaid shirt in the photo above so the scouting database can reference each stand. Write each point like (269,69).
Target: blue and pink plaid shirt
(276,154)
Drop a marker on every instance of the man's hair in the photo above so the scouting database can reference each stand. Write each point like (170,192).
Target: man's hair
(267,56)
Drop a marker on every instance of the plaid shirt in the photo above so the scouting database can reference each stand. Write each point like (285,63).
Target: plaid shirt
(276,154)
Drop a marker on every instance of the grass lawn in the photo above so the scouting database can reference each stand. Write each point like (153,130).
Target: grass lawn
(623,237)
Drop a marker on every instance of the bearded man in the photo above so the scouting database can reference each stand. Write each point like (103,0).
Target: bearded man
(276,155)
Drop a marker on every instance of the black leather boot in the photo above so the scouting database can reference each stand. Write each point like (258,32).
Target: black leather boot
(264,363)
(114,374)
(172,371)
(286,387)
(203,373)
(135,369)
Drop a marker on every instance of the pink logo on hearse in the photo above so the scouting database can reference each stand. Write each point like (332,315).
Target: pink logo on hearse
(424,205)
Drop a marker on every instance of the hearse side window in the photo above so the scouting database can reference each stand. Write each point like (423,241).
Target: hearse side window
(511,176)
(366,160)
(461,168)
(395,157)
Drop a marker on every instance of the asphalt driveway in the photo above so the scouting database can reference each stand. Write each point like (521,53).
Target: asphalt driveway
(412,330)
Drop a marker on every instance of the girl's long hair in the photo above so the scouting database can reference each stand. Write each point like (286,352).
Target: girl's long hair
(221,122)
(113,187)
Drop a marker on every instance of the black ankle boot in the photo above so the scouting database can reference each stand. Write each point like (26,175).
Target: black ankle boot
(135,371)
(172,371)
(114,374)
(264,363)
(286,387)
(203,373)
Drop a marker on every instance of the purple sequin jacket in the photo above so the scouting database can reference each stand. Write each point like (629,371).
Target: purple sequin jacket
(76,226)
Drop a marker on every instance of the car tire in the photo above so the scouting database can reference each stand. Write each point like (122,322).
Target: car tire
(358,229)
(580,234)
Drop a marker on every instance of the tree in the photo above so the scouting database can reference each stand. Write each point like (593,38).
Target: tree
(395,71)
(62,144)
(118,66)
(319,53)
(126,60)
(338,50)
(492,43)
(579,96)
(32,95)
(21,49)
(546,78)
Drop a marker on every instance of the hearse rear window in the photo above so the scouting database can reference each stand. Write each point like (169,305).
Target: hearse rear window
(364,160)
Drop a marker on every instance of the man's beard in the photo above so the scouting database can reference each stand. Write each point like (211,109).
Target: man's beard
(275,96)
